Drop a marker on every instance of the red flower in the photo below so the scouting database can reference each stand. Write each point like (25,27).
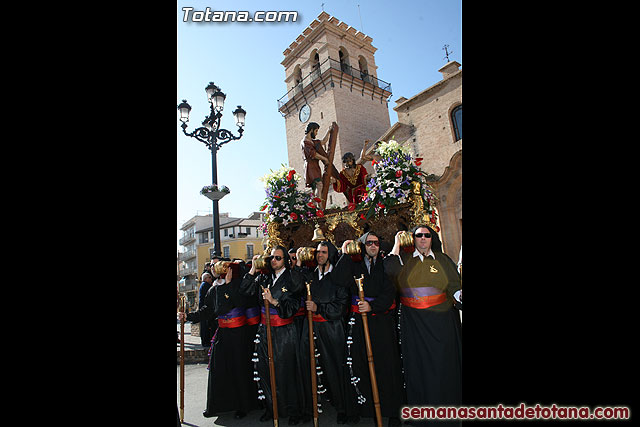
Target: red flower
(380,205)
(291,173)
(419,173)
(311,205)
(317,199)
(293,216)
(419,161)
(398,173)
(352,206)
(263,207)
(319,213)
(373,162)
(362,216)
(277,197)
(437,229)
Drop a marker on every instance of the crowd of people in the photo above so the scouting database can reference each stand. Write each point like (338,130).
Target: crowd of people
(411,300)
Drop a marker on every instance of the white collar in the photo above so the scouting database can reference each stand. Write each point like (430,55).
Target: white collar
(277,275)
(417,253)
(328,270)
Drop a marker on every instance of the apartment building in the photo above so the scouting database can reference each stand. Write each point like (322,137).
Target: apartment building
(239,237)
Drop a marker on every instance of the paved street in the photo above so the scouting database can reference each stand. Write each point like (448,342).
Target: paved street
(195,396)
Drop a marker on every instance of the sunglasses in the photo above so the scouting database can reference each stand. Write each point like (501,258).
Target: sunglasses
(294,258)
(277,257)
(372,242)
(427,235)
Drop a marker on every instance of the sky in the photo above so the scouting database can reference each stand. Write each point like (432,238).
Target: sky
(243,59)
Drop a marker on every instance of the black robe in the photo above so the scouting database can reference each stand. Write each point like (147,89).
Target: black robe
(231,386)
(384,343)
(287,290)
(332,301)
(431,337)
(207,327)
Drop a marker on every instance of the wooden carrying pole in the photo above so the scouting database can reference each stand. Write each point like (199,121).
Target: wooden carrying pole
(272,369)
(367,340)
(182,309)
(329,169)
(312,359)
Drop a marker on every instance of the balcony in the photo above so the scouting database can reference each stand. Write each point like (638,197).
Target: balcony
(332,72)
(184,240)
(184,256)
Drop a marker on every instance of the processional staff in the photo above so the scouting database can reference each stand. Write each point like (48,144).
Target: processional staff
(367,340)
(181,307)
(272,369)
(312,359)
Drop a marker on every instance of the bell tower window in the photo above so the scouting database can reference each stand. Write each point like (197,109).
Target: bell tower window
(344,61)
(364,71)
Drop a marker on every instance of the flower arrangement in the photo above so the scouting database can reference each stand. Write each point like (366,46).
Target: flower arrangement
(214,188)
(284,202)
(391,184)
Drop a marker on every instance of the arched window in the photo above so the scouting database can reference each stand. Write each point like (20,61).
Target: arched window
(297,79)
(364,71)
(344,61)
(315,65)
(456,119)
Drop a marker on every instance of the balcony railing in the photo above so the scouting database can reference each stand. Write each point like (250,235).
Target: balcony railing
(186,239)
(348,75)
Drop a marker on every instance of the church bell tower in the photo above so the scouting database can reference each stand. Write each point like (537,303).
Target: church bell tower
(331,76)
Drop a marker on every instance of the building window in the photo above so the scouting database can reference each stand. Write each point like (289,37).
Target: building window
(204,238)
(225,251)
(249,251)
(226,232)
(364,70)
(247,231)
(344,61)
(456,119)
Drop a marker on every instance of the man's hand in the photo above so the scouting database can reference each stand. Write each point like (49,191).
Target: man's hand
(364,306)
(311,306)
(266,294)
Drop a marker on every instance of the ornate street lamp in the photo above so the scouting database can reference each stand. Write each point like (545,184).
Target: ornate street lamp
(211,135)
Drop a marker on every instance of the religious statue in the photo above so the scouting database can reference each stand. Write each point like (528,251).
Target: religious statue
(313,151)
(352,178)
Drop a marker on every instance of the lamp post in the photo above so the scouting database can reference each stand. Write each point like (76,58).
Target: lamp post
(211,135)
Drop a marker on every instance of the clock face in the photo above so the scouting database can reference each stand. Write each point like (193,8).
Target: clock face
(305,113)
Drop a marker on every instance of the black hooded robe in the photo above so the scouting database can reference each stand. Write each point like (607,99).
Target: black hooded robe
(430,335)
(287,290)
(329,329)
(380,292)
(230,384)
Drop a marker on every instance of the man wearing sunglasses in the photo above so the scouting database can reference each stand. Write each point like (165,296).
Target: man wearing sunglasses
(282,287)
(430,327)
(379,305)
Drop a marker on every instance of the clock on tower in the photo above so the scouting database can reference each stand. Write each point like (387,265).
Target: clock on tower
(305,113)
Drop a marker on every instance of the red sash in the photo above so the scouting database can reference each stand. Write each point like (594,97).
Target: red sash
(356,309)
(234,322)
(318,318)
(424,302)
(275,320)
